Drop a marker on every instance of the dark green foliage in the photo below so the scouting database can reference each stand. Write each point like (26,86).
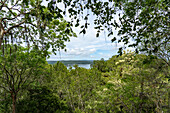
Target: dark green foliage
(146,23)
(19,67)
(41,100)
(76,86)
(33,23)
(59,66)
(5,102)
(138,81)
(128,83)
(101,65)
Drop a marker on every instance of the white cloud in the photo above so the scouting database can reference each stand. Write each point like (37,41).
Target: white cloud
(80,51)
(87,46)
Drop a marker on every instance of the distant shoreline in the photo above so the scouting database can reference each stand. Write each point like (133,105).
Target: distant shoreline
(65,62)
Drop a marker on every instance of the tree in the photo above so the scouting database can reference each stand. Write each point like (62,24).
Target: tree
(143,24)
(41,100)
(19,69)
(75,86)
(33,23)
(100,65)
(146,23)
(138,83)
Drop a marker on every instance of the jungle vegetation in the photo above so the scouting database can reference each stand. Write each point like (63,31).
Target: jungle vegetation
(130,82)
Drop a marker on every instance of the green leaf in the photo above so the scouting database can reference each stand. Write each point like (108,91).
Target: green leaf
(113,39)
(97,35)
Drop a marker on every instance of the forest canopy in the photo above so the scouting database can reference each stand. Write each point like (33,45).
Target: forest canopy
(131,82)
(128,83)
(144,22)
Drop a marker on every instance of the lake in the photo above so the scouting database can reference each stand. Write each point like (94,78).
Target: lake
(81,63)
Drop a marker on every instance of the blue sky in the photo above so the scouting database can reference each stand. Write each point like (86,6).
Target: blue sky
(88,47)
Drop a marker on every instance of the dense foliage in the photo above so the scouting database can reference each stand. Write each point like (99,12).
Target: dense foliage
(41,22)
(128,83)
(19,68)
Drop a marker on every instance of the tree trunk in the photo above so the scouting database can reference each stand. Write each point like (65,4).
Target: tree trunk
(1,33)
(13,103)
(168,100)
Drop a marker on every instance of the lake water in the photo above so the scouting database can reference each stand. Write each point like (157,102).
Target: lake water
(87,66)
(81,63)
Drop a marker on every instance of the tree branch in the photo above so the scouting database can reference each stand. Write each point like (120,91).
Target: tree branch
(15,3)
(10,10)
(17,25)
(10,18)
(19,75)
(4,87)
(2,4)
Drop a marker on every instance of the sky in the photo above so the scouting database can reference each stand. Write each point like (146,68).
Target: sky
(88,46)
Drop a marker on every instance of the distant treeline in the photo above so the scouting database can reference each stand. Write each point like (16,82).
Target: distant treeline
(66,62)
